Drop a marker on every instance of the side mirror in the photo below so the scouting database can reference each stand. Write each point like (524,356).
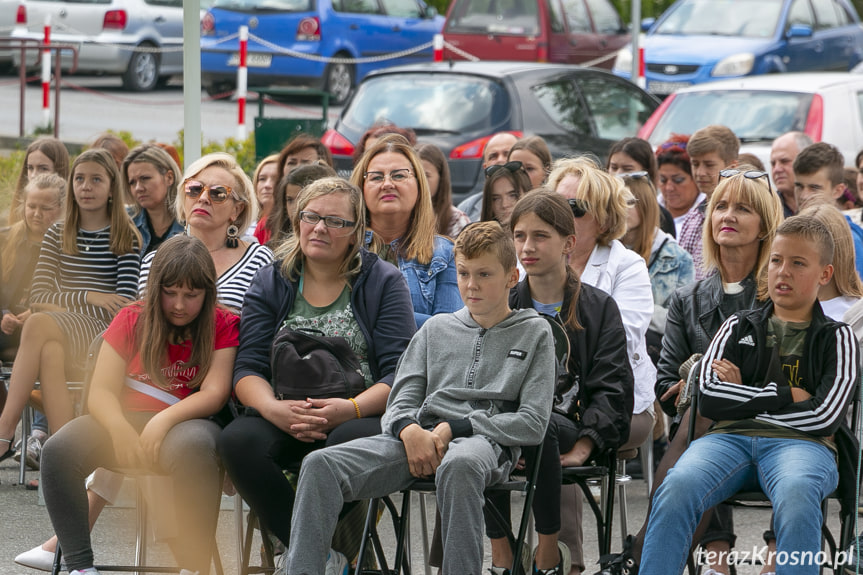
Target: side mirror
(799,31)
(430,13)
(647,23)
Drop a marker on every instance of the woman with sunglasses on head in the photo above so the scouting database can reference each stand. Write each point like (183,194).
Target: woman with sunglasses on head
(217,204)
(504,185)
(325,280)
(741,220)
(668,265)
(400,216)
(599,204)
(631,155)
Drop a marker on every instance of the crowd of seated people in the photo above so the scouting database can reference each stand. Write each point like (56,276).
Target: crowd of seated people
(685,258)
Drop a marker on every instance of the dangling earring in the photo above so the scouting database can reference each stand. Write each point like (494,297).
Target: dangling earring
(233,236)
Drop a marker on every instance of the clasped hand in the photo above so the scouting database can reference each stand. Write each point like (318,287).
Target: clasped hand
(311,419)
(425,449)
(134,451)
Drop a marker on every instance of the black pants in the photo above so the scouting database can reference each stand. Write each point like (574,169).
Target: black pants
(255,454)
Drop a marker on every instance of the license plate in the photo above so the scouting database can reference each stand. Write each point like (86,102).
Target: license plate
(666,87)
(252,60)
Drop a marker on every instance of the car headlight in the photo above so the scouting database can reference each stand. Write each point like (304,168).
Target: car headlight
(736,65)
(623,62)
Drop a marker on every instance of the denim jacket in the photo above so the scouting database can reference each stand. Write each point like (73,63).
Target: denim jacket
(670,267)
(433,286)
(140,220)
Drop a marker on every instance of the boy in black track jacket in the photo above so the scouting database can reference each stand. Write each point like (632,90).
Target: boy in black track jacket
(777,381)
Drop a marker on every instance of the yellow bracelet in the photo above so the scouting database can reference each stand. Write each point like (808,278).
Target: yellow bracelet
(357,407)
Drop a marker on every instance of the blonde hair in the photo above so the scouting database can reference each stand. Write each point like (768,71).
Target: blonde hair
(844,268)
(752,191)
(56,152)
(244,190)
(17,238)
(125,237)
(290,252)
(418,243)
(644,194)
(271,159)
(606,196)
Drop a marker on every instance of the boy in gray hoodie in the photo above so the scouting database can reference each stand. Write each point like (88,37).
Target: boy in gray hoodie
(471,387)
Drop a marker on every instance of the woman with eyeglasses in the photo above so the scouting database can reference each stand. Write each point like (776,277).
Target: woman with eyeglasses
(680,195)
(401,220)
(740,222)
(217,204)
(323,279)
(599,204)
(668,264)
(504,185)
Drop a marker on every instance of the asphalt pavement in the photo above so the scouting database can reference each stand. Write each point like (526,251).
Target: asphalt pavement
(24,523)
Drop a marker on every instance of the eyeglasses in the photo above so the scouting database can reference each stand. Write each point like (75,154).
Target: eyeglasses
(218,194)
(579,207)
(512,167)
(396,177)
(330,221)
(749,175)
(634,175)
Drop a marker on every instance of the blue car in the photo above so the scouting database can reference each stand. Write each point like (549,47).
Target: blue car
(368,30)
(697,41)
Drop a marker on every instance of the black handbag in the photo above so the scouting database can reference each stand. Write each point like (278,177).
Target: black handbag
(308,364)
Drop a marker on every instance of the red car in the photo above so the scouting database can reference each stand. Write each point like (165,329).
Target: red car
(562,31)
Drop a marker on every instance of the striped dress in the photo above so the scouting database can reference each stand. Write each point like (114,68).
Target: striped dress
(232,285)
(64,279)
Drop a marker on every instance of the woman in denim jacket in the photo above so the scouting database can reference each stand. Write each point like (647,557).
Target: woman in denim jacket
(400,216)
(668,264)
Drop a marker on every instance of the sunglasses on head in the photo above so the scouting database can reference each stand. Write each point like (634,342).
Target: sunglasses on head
(218,194)
(579,207)
(513,167)
(634,175)
(749,175)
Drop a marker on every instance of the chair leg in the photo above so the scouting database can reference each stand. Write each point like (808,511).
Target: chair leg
(238,527)
(141,543)
(26,428)
(647,461)
(622,480)
(425,534)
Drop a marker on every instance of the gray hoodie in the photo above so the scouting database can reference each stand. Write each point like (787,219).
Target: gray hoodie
(495,382)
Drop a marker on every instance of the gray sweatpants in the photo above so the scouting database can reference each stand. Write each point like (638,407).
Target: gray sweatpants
(377,466)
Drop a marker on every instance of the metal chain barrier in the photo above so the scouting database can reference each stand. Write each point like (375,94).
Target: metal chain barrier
(599,60)
(317,58)
(460,52)
(60,27)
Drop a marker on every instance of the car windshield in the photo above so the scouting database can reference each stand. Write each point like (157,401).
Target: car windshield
(743,18)
(518,17)
(754,116)
(264,5)
(429,103)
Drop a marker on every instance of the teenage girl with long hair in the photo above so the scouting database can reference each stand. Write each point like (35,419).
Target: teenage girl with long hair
(45,155)
(163,369)
(87,271)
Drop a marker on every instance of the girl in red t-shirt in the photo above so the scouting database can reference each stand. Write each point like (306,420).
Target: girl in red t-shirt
(165,367)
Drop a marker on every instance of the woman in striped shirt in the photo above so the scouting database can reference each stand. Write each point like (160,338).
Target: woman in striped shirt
(86,272)
(216,205)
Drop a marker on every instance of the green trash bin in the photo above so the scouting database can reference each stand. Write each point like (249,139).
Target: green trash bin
(271,134)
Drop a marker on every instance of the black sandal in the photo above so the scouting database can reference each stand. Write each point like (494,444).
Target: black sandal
(622,563)
(9,452)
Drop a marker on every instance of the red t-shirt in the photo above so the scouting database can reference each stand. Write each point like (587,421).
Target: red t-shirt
(120,335)
(262,232)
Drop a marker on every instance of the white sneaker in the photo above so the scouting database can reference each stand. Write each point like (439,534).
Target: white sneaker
(281,564)
(337,564)
(38,558)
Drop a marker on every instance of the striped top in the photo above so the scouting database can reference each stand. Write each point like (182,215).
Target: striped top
(64,279)
(232,285)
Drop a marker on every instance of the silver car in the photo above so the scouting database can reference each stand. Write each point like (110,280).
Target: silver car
(142,40)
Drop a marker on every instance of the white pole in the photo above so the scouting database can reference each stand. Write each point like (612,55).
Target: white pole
(191,81)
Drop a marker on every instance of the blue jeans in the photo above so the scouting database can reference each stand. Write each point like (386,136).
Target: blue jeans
(795,474)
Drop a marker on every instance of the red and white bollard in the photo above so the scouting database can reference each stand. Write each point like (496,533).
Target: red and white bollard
(46,74)
(242,83)
(437,47)
(641,80)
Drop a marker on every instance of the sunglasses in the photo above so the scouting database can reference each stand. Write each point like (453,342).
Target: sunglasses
(579,207)
(749,175)
(634,175)
(217,194)
(512,167)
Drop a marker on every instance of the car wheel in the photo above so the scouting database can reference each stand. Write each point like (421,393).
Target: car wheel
(223,89)
(142,75)
(340,80)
